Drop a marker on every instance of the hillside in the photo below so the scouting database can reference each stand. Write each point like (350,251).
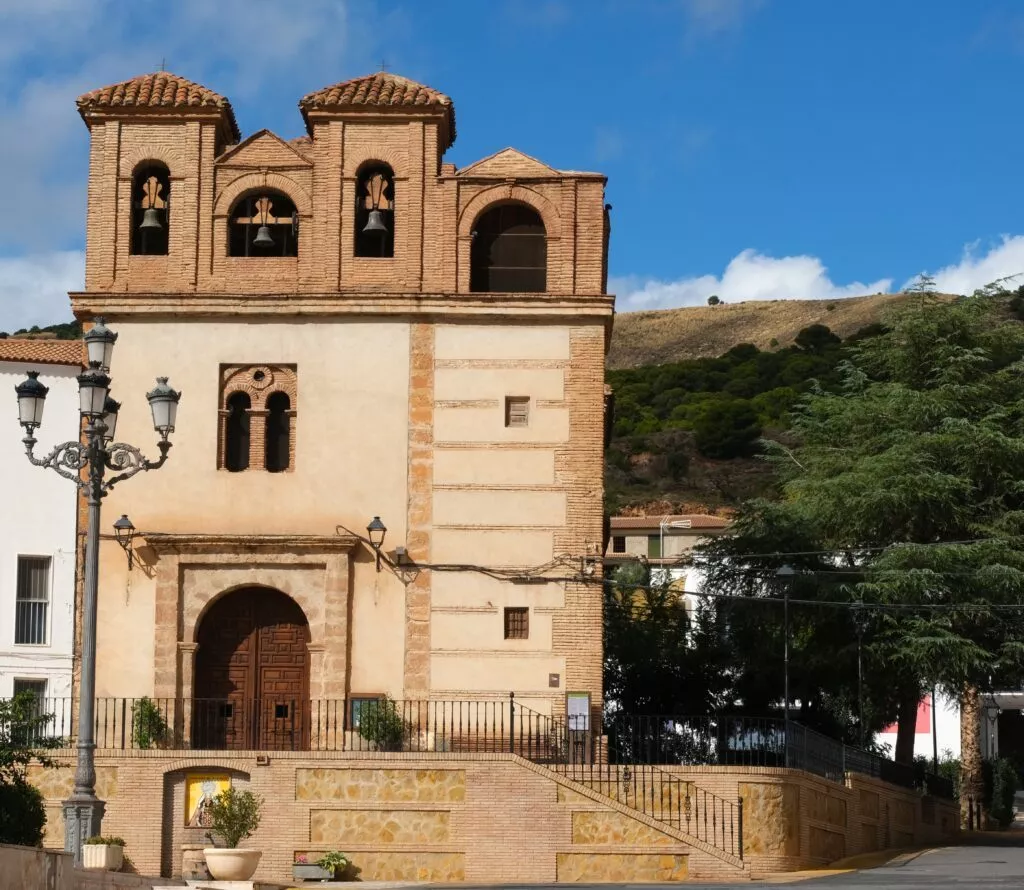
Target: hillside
(672,335)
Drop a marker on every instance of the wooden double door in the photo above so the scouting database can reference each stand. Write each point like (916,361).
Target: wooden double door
(252,674)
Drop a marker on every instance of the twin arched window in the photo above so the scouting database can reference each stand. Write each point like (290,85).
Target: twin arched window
(257,418)
(375,211)
(265,224)
(510,251)
(151,210)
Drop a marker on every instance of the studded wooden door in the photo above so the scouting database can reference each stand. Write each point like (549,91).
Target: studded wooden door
(252,674)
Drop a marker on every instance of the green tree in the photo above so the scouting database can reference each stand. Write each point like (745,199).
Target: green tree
(909,474)
(23,738)
(713,300)
(658,659)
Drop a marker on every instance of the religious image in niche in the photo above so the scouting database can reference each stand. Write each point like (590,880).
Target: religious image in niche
(200,794)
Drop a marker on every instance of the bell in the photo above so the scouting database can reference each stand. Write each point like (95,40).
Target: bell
(263,238)
(151,219)
(375,223)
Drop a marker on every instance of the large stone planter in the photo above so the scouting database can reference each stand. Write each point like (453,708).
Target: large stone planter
(302,871)
(103,856)
(232,864)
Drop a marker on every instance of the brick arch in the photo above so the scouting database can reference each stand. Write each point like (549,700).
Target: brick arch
(502,194)
(187,763)
(166,154)
(254,182)
(238,378)
(379,155)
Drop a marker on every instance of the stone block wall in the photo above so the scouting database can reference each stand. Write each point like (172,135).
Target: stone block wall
(400,817)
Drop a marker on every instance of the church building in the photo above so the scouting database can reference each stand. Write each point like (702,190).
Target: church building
(386,477)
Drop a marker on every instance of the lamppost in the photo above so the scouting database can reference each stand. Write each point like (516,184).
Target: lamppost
(83,811)
(785,574)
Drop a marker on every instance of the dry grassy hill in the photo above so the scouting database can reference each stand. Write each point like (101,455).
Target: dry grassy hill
(668,335)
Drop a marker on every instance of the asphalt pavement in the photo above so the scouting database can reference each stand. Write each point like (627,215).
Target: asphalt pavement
(996,862)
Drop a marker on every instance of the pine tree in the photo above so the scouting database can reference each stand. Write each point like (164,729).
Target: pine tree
(911,473)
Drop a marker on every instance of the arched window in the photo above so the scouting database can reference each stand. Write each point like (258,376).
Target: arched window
(264,225)
(236,433)
(510,251)
(151,212)
(278,453)
(375,211)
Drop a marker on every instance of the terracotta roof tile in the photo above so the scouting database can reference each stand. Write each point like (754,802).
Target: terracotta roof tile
(44,352)
(697,521)
(381,89)
(158,90)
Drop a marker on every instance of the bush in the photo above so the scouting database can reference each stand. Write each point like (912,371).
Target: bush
(235,815)
(149,728)
(1000,777)
(22,814)
(381,723)
(726,429)
(99,840)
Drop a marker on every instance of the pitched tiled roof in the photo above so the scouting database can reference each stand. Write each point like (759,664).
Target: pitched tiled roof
(381,89)
(44,352)
(158,90)
(697,521)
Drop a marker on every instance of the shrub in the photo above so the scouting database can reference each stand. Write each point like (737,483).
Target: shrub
(22,814)
(101,841)
(334,862)
(1000,788)
(235,815)
(381,722)
(149,728)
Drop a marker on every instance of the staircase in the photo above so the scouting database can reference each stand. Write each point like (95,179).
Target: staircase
(586,760)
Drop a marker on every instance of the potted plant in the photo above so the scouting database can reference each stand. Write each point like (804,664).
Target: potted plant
(234,816)
(103,852)
(327,868)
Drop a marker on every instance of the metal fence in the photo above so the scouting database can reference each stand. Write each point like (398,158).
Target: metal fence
(471,726)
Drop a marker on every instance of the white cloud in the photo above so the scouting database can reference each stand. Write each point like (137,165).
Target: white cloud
(34,289)
(749,276)
(707,18)
(1002,260)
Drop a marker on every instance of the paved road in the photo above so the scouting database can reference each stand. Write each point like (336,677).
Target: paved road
(995,865)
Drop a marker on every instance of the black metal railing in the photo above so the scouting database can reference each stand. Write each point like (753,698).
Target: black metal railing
(579,750)
(470,726)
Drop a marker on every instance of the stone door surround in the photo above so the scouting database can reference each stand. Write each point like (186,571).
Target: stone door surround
(194,570)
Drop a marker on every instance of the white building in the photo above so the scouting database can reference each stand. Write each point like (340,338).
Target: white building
(945,721)
(37,525)
(665,542)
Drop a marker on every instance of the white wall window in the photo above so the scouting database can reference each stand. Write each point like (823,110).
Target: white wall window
(36,687)
(33,600)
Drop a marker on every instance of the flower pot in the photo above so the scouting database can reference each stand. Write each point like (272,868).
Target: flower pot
(231,864)
(105,856)
(302,871)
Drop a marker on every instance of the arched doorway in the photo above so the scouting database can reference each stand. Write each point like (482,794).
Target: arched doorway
(252,673)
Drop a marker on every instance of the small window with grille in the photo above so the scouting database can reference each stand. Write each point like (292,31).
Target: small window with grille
(517,623)
(517,411)
(37,688)
(33,600)
(618,544)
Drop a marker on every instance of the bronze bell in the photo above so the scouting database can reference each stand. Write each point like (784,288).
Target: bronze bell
(375,223)
(263,238)
(151,219)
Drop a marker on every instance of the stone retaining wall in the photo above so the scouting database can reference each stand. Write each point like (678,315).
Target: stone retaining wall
(485,818)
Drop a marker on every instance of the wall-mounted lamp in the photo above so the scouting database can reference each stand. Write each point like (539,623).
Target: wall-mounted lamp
(376,530)
(124,531)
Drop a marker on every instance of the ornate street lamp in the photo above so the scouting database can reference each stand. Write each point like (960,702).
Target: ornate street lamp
(124,532)
(83,811)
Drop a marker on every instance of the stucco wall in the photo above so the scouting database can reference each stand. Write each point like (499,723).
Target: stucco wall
(38,520)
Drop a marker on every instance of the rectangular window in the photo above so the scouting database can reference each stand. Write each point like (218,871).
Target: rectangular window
(618,544)
(36,687)
(653,547)
(359,705)
(517,411)
(517,623)
(33,600)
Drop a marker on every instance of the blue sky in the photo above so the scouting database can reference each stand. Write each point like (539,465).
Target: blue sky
(757,149)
